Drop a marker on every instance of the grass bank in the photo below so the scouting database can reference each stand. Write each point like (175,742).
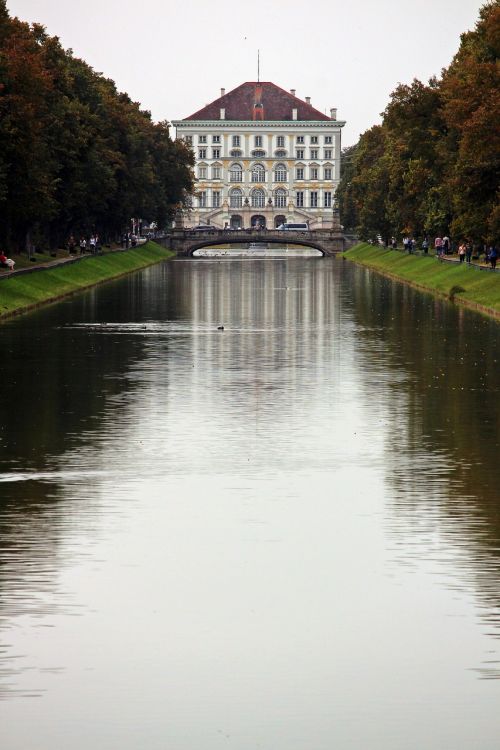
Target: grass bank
(479,290)
(22,292)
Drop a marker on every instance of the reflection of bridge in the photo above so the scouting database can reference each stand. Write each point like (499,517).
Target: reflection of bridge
(185,241)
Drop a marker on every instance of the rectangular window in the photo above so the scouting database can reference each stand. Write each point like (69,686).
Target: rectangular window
(314,153)
(328,139)
(314,199)
(314,139)
(189,140)
(328,153)
(327,198)
(202,153)
(258,141)
(202,173)
(216,139)
(328,173)
(314,173)
(216,153)
(300,139)
(299,199)
(299,173)
(216,198)
(215,173)
(202,199)
(280,141)
(236,140)
(202,139)
(300,153)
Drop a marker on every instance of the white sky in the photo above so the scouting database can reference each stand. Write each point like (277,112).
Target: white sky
(174,57)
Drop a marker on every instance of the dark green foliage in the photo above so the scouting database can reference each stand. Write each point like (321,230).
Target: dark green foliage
(76,156)
(432,167)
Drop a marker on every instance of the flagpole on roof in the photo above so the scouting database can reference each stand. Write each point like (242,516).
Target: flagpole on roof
(258,66)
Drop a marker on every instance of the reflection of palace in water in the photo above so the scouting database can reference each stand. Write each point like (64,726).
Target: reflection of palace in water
(298,310)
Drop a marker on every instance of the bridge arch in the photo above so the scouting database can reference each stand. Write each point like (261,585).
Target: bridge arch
(185,242)
(243,238)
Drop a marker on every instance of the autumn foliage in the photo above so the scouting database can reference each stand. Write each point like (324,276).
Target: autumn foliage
(76,156)
(432,166)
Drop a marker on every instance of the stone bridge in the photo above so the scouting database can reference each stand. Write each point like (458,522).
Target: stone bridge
(185,241)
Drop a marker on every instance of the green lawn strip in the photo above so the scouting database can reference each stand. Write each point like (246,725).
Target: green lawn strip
(28,290)
(468,285)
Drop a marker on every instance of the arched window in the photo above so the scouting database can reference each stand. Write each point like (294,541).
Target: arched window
(280,198)
(235,152)
(235,198)
(280,173)
(259,153)
(258,173)
(280,153)
(258,198)
(235,173)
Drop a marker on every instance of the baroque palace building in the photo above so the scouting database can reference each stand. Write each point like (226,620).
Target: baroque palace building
(263,157)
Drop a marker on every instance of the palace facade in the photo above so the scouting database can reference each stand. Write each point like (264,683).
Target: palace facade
(263,157)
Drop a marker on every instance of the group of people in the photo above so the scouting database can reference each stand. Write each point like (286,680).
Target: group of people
(466,251)
(93,245)
(443,246)
(129,240)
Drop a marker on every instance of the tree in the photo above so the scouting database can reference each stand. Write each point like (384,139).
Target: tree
(76,156)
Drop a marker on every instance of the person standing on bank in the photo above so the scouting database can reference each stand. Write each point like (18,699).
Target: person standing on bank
(492,256)
(425,245)
(468,251)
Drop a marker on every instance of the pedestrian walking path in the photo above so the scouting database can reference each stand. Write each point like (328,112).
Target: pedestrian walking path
(6,273)
(477,265)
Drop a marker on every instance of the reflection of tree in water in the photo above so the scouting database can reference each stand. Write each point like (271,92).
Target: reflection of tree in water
(433,373)
(61,381)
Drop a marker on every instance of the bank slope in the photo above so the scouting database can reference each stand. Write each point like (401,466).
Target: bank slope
(476,289)
(22,292)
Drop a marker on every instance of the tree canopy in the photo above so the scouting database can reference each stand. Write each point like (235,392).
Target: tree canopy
(432,166)
(76,155)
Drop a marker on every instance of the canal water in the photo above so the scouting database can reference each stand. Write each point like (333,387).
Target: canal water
(282,535)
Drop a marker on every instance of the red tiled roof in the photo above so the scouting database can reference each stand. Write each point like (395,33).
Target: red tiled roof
(273,103)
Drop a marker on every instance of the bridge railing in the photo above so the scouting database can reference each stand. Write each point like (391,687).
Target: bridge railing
(182,233)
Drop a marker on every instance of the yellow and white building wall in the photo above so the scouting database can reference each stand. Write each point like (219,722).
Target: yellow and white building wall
(264,172)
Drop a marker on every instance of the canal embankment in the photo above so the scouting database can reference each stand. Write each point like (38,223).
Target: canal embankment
(470,285)
(23,291)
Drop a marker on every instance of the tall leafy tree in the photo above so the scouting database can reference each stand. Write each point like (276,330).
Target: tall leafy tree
(76,155)
(432,166)
(471,108)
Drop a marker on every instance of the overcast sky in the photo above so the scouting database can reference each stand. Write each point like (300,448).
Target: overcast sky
(174,57)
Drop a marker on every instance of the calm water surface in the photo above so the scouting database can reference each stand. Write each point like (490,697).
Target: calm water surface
(284,535)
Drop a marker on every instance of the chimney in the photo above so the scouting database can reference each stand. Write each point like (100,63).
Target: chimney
(294,113)
(258,108)
(292,91)
(222,115)
(308,99)
(222,92)
(333,113)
